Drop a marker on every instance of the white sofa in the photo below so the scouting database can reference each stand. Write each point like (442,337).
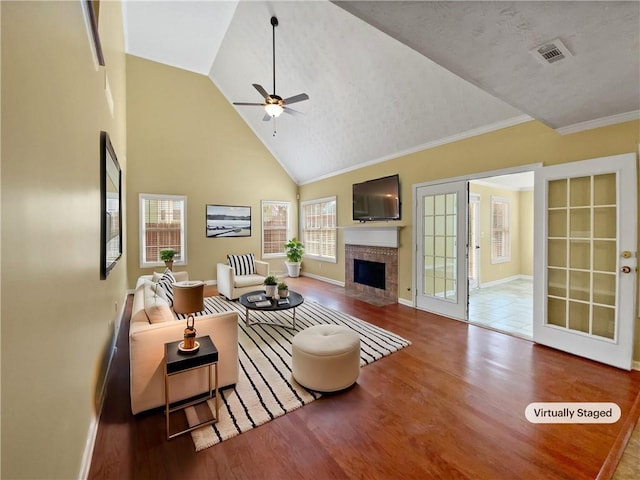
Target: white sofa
(232,286)
(153,324)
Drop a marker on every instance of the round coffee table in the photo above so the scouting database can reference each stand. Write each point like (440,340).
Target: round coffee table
(295,300)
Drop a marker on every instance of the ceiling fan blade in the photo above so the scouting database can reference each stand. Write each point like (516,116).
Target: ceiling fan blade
(253,104)
(266,117)
(262,91)
(296,98)
(291,111)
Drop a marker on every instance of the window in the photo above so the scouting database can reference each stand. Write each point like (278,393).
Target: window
(275,227)
(163,224)
(319,229)
(500,235)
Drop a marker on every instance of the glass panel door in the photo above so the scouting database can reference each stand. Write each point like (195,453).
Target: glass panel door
(442,265)
(584,287)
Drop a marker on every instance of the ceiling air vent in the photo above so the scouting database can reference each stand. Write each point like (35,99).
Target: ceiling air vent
(551,52)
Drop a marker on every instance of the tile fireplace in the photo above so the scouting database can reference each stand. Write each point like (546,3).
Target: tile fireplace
(368,263)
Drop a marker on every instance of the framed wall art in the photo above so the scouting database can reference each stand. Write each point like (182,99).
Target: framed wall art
(110,207)
(93,12)
(228,221)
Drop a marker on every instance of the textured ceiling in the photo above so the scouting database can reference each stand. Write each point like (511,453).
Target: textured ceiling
(489,44)
(375,91)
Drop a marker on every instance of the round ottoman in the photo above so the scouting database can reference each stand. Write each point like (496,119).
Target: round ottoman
(326,358)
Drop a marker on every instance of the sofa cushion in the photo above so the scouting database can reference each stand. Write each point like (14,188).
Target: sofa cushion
(156,308)
(242,264)
(166,282)
(248,281)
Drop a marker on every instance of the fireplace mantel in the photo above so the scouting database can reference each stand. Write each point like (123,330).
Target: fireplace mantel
(372,235)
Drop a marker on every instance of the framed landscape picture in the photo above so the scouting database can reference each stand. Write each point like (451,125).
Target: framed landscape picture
(110,206)
(93,10)
(228,221)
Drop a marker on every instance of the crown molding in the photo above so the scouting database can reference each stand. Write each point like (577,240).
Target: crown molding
(510,122)
(599,122)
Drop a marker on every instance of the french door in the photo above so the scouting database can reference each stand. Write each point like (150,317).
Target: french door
(585,225)
(441,280)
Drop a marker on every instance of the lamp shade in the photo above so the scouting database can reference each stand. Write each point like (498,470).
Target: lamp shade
(188,297)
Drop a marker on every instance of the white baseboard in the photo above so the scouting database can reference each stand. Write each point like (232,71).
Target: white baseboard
(635,365)
(506,280)
(88,448)
(92,433)
(406,303)
(323,279)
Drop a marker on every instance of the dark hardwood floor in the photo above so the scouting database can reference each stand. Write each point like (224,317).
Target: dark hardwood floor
(449,406)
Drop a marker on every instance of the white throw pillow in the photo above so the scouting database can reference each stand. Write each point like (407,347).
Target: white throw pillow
(156,277)
(160,292)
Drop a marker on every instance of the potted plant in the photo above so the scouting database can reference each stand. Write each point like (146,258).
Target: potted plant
(294,250)
(167,257)
(270,285)
(283,290)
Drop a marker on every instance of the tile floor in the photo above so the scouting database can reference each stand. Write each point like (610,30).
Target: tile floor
(507,307)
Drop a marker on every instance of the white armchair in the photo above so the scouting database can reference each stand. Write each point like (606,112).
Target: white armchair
(232,286)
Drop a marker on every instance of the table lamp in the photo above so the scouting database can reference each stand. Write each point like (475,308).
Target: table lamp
(188,298)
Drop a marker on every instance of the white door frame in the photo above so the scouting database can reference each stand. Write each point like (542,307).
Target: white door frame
(475,198)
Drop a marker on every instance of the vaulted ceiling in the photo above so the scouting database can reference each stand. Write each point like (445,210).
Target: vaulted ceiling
(387,78)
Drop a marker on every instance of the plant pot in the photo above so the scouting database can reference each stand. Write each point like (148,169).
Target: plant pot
(293,268)
(270,290)
(283,293)
(169,264)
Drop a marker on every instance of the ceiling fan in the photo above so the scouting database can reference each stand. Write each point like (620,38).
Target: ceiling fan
(273,104)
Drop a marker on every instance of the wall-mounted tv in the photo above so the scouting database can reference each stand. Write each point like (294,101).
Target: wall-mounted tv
(377,199)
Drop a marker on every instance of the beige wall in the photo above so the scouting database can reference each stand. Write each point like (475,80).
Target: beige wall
(521,225)
(523,144)
(184,138)
(57,315)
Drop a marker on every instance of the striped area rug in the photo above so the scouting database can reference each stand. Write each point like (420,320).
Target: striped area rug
(265,388)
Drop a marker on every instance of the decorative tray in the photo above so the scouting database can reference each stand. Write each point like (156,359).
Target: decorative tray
(189,350)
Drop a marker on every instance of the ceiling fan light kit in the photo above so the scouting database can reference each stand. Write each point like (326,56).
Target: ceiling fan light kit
(273,104)
(274,109)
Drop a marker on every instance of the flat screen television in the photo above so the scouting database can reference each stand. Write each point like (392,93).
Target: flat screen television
(377,199)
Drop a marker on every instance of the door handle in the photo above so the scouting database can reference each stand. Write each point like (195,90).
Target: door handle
(626,269)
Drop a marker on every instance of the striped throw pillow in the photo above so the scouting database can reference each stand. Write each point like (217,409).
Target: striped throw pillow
(243,264)
(166,283)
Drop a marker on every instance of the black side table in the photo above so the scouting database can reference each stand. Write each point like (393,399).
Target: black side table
(176,362)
